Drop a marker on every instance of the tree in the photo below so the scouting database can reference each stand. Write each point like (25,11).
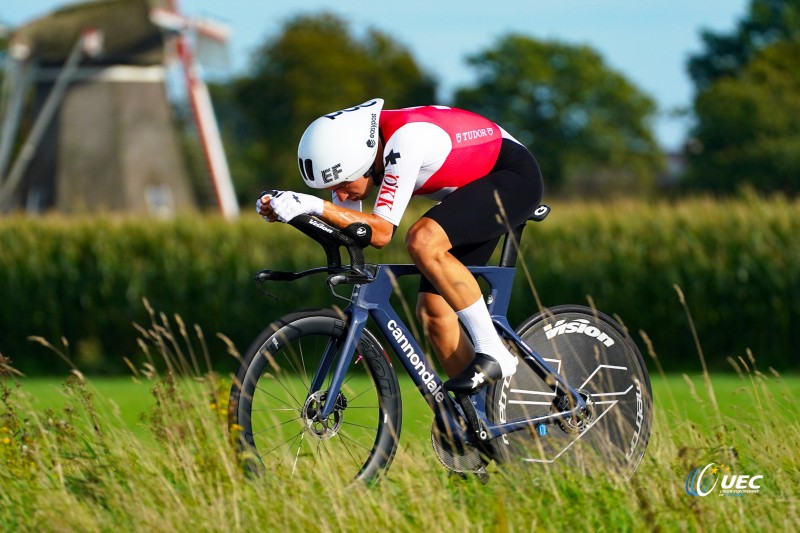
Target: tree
(727,54)
(314,66)
(747,101)
(4,34)
(588,126)
(747,129)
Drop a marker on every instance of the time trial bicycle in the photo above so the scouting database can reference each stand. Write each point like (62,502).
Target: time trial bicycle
(317,389)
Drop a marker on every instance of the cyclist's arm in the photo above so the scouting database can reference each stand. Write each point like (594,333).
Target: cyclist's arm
(355,205)
(341,217)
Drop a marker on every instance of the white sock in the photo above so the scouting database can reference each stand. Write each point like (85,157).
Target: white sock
(478,323)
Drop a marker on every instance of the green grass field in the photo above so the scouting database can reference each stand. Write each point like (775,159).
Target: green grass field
(679,398)
(115,454)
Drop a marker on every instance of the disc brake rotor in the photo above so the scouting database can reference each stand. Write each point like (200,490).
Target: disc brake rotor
(323,428)
(581,421)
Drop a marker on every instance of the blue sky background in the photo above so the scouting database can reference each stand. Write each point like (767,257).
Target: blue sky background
(648,41)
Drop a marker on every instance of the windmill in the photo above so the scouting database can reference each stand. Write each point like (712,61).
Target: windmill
(102,134)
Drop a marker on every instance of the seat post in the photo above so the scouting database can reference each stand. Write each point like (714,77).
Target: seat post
(508,257)
(512,239)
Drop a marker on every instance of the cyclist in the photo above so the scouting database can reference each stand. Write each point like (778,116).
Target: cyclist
(486,182)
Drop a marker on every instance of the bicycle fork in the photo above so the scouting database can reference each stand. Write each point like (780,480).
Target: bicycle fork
(448,418)
(346,350)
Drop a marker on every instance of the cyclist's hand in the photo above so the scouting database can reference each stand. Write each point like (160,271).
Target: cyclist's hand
(285,205)
(264,208)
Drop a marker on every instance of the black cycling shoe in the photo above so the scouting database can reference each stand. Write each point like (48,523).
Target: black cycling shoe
(482,371)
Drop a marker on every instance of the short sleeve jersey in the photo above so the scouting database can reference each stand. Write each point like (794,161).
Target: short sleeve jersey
(432,151)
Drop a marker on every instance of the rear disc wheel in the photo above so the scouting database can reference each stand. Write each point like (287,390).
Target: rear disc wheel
(602,363)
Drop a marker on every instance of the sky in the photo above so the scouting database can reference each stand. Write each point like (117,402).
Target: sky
(647,41)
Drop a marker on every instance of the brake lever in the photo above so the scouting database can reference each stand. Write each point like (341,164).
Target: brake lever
(259,286)
(335,280)
(358,277)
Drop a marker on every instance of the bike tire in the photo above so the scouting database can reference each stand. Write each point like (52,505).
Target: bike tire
(594,354)
(271,406)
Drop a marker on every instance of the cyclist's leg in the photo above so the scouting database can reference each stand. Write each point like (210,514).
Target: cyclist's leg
(440,322)
(464,228)
(470,216)
(460,290)
(448,340)
(430,248)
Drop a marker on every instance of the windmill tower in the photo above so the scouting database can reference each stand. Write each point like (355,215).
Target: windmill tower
(102,134)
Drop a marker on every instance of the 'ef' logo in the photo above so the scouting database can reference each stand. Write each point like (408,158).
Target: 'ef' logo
(332,174)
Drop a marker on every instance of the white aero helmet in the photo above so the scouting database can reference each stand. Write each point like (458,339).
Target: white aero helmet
(340,146)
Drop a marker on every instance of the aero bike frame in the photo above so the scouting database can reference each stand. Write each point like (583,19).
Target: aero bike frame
(373,287)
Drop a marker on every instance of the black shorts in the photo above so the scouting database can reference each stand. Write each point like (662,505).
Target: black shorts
(470,216)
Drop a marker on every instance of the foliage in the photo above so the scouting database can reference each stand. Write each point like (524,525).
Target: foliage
(726,55)
(84,278)
(749,82)
(314,66)
(588,126)
(746,129)
(4,33)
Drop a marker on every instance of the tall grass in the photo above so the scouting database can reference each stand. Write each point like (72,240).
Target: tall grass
(80,469)
(73,470)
